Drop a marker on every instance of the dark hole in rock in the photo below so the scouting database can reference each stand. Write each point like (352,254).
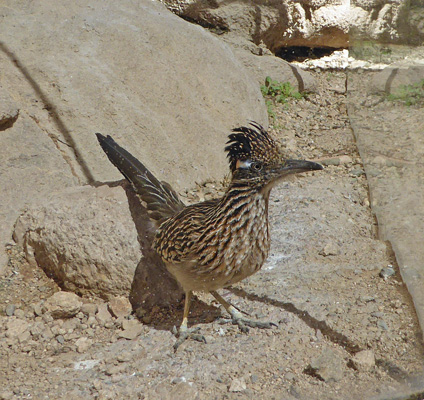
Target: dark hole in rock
(301,53)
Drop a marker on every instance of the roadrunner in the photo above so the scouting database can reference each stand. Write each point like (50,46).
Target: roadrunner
(215,243)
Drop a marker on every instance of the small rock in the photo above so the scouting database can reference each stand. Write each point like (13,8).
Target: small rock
(63,305)
(109,325)
(382,324)
(254,378)
(345,159)
(289,376)
(363,360)
(103,315)
(86,364)
(37,329)
(70,324)
(178,379)
(330,249)
(10,310)
(20,314)
(125,356)
(24,336)
(92,321)
(89,309)
(238,385)
(60,339)
(377,314)
(83,344)
(331,161)
(38,310)
(328,366)
(80,315)
(16,327)
(387,272)
(182,390)
(47,334)
(131,329)
(357,172)
(120,307)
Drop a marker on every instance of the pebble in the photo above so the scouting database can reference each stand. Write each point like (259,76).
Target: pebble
(387,272)
(86,364)
(328,365)
(120,307)
(103,315)
(125,356)
(10,310)
(131,329)
(382,324)
(60,339)
(20,314)
(178,380)
(91,321)
(89,309)
(38,310)
(238,385)
(357,172)
(377,314)
(330,249)
(24,336)
(363,360)
(289,376)
(16,327)
(63,305)
(83,344)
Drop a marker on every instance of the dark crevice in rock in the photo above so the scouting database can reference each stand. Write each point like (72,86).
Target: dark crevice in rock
(217,28)
(301,53)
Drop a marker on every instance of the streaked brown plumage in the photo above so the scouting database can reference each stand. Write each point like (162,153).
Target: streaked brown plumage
(216,243)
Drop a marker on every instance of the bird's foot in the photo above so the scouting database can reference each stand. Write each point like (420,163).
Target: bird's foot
(245,323)
(187,333)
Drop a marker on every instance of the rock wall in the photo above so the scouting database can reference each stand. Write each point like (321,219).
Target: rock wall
(310,23)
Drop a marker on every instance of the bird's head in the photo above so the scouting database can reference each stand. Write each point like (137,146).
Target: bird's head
(255,158)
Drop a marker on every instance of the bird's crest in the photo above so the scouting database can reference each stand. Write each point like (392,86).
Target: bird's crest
(251,144)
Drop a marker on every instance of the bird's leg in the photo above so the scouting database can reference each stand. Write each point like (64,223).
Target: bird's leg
(237,317)
(184,332)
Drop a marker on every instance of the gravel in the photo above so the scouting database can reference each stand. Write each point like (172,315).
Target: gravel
(343,331)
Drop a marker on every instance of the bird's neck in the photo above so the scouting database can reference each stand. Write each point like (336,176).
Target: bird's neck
(246,195)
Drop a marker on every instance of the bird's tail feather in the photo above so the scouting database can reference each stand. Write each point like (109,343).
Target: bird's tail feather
(161,200)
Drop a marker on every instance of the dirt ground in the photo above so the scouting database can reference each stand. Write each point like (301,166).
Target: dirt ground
(342,331)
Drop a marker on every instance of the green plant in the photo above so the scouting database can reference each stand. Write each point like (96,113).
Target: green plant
(280,91)
(408,94)
(270,109)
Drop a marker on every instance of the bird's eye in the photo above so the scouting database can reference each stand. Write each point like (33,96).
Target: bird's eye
(256,166)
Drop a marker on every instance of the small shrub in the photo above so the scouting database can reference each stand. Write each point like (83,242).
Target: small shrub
(280,91)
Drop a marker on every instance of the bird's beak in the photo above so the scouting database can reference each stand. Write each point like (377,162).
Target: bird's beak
(295,166)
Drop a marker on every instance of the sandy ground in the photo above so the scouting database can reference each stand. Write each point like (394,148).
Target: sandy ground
(342,330)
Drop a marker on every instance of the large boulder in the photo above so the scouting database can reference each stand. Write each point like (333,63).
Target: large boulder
(166,89)
(85,239)
(31,167)
(310,23)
